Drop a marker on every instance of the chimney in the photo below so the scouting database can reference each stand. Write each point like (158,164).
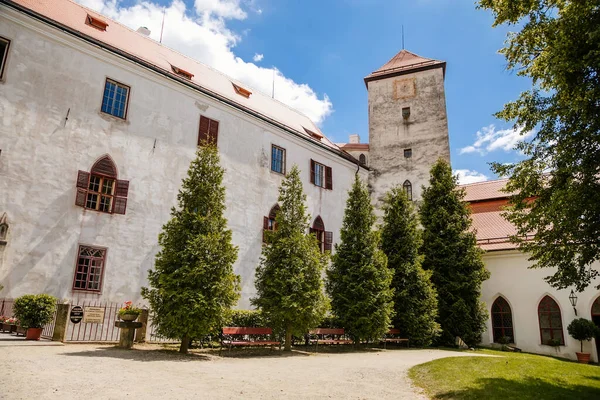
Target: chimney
(354,138)
(143,30)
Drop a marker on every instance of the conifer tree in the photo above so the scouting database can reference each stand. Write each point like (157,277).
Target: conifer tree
(193,286)
(289,281)
(415,299)
(359,279)
(450,252)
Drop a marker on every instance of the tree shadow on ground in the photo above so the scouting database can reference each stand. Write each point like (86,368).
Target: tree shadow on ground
(531,388)
(142,355)
(259,353)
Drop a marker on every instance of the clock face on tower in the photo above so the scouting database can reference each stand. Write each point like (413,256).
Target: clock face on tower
(405,88)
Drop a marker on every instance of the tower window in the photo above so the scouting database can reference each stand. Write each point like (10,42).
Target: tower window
(407,187)
(4,44)
(362,159)
(407,153)
(406,112)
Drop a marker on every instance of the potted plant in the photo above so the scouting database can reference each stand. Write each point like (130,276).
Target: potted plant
(128,312)
(582,329)
(33,312)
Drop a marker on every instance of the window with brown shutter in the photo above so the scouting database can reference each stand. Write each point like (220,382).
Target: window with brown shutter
(100,189)
(208,131)
(318,229)
(269,223)
(328,244)
(321,175)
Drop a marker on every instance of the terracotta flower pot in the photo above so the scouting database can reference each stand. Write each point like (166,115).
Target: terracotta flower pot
(129,317)
(33,333)
(583,358)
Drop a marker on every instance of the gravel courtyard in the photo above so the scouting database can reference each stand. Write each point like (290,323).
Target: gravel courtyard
(48,370)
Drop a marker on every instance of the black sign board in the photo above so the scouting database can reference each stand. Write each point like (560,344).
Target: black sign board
(76,314)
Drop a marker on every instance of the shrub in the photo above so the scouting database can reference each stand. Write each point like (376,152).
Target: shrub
(582,329)
(34,310)
(251,318)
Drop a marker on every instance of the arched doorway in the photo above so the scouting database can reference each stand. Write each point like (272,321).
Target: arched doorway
(596,319)
(502,321)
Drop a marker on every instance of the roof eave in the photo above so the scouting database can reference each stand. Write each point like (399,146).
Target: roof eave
(404,71)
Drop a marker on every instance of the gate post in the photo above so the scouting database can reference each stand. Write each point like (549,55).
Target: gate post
(62,319)
(140,333)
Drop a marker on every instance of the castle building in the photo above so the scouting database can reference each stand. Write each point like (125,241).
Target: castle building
(99,123)
(523,308)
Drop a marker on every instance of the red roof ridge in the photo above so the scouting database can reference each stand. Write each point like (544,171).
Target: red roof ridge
(484,182)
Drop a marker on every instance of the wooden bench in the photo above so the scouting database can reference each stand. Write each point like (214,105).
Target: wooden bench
(327,336)
(244,337)
(393,336)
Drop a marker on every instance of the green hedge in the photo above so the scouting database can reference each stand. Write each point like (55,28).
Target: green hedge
(34,310)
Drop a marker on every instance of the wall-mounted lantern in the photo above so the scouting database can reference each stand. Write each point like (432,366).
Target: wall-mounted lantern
(573,300)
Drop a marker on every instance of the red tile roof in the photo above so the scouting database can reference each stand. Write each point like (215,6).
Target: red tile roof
(118,36)
(404,62)
(487,206)
(354,146)
(485,190)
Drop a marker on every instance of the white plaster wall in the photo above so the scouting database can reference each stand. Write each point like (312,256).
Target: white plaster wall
(524,288)
(49,74)
(425,132)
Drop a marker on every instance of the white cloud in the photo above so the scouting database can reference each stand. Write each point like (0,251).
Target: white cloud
(202,34)
(258,57)
(469,176)
(489,139)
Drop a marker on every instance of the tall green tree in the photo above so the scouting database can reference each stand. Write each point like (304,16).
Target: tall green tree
(289,283)
(415,298)
(193,286)
(557,185)
(359,279)
(450,252)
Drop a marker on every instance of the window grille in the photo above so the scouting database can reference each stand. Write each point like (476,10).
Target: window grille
(89,269)
(502,321)
(550,322)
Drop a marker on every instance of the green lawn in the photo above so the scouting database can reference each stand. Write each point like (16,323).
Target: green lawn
(510,376)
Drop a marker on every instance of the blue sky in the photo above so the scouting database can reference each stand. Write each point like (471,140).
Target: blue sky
(323,49)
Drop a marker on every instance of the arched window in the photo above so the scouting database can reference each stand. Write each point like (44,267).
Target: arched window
(269,223)
(502,322)
(362,159)
(324,238)
(100,189)
(407,187)
(551,331)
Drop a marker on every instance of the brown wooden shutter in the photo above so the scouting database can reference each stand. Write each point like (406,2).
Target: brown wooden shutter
(328,178)
(119,205)
(312,171)
(83,179)
(80,197)
(213,131)
(328,241)
(265,228)
(203,131)
(120,199)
